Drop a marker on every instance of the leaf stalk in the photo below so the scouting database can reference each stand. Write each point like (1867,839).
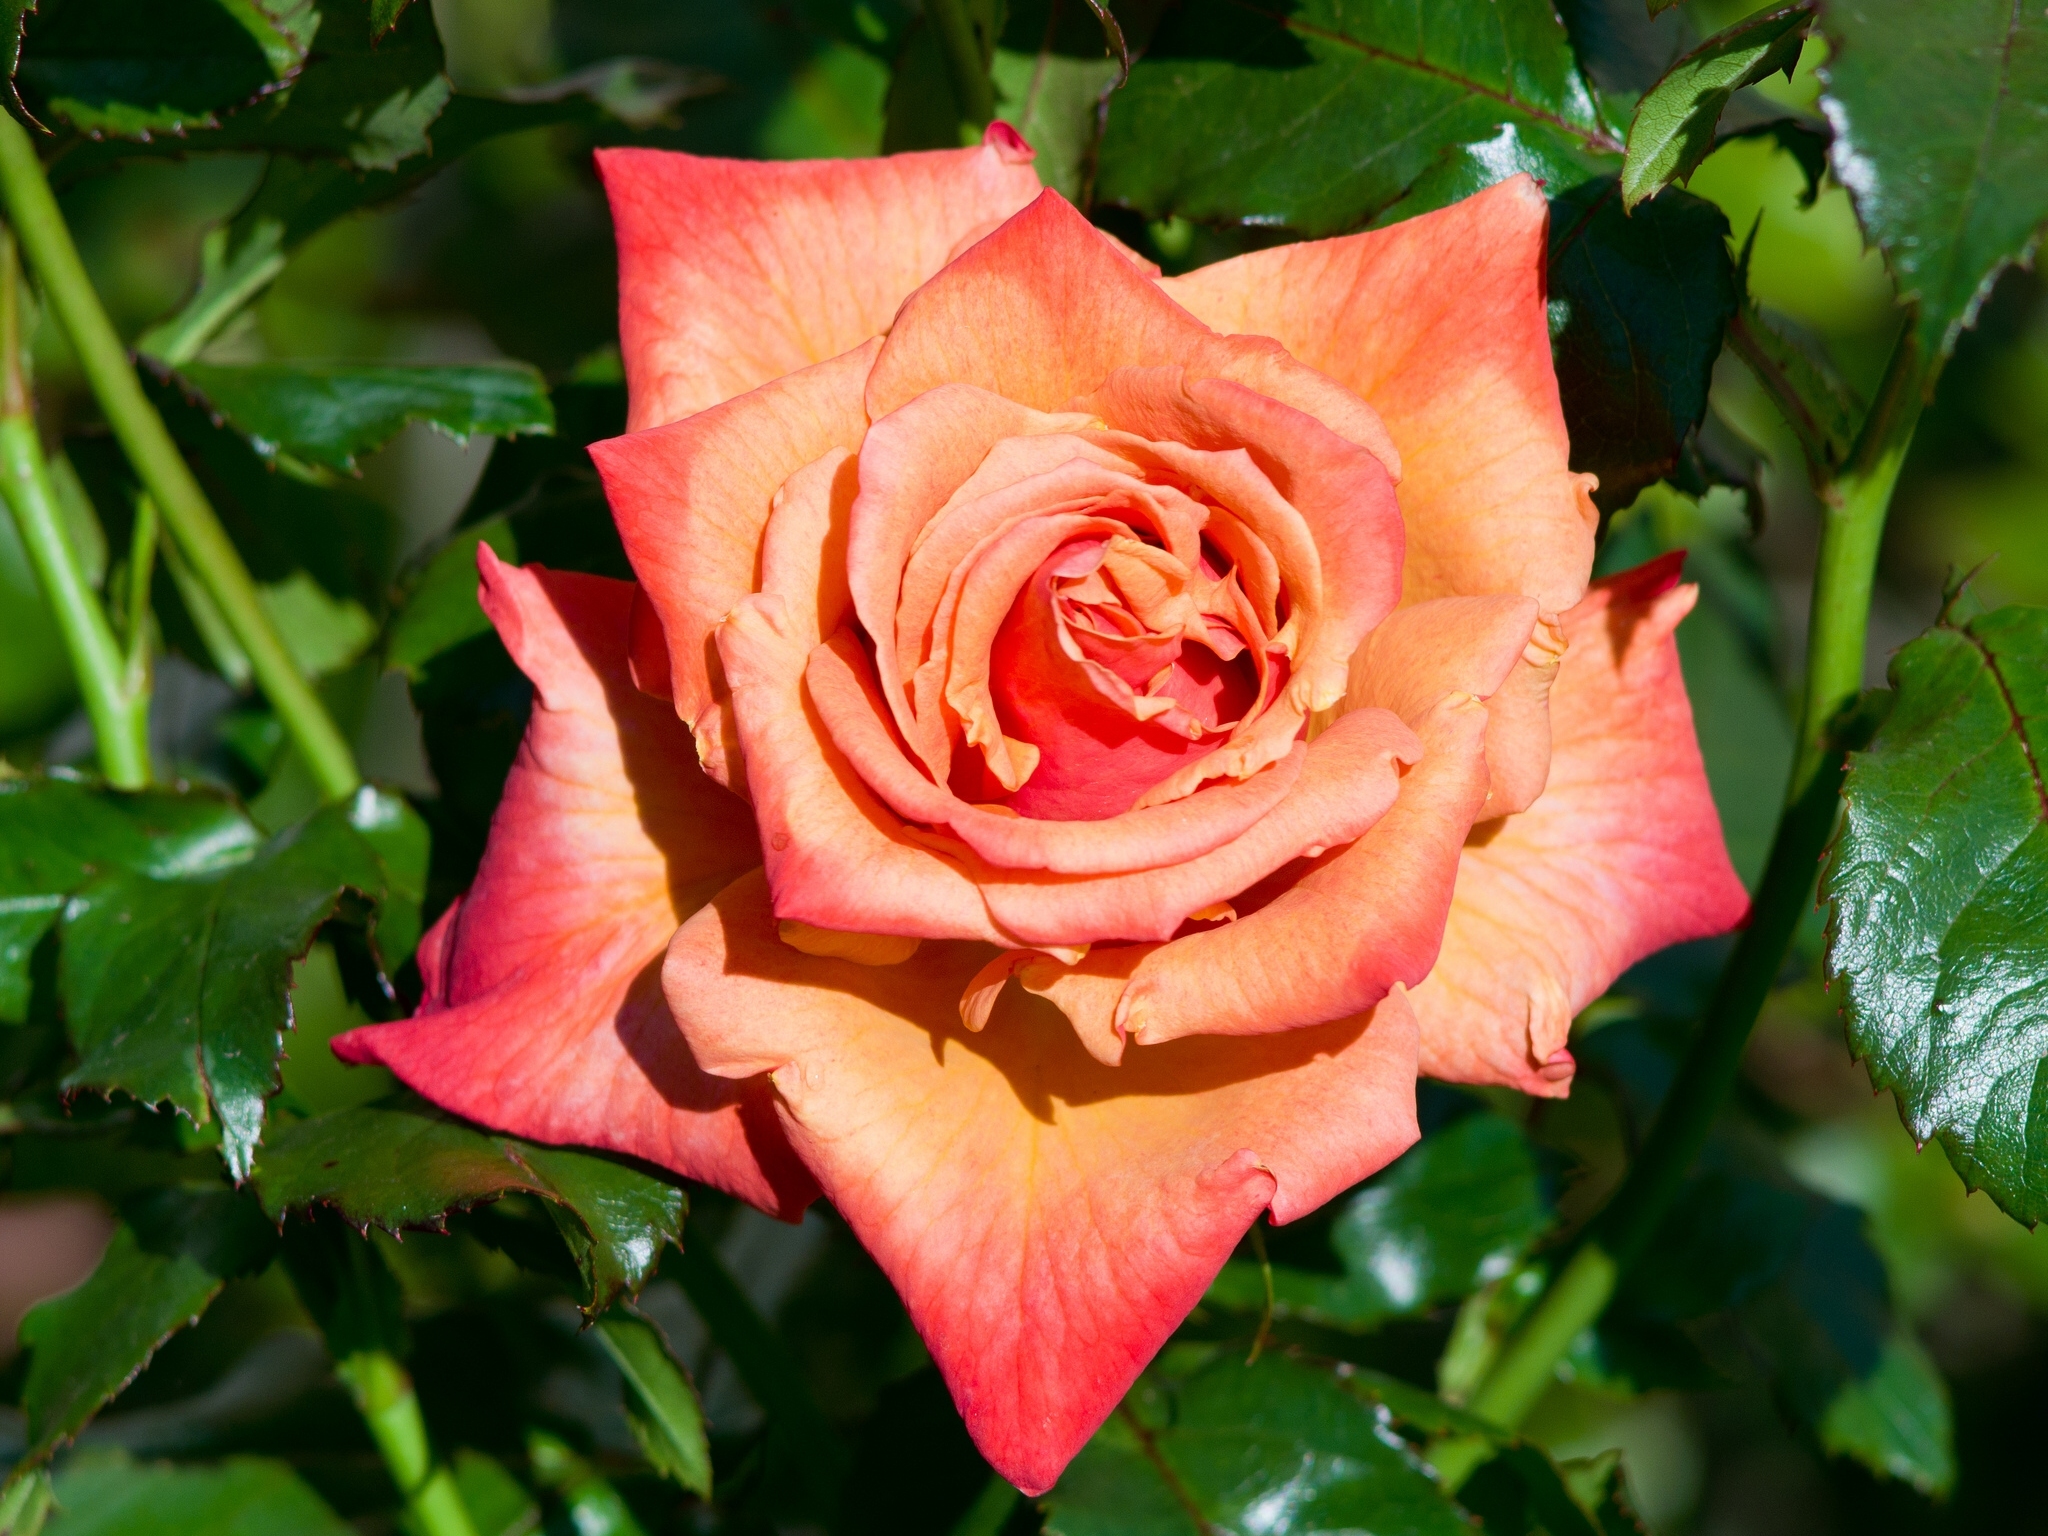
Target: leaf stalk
(384,1395)
(193,524)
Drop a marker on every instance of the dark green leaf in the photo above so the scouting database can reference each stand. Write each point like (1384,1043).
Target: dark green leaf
(137,68)
(1812,400)
(1675,121)
(400,1163)
(661,1405)
(58,833)
(1053,76)
(167,1261)
(1319,115)
(1453,1213)
(1939,888)
(1896,1421)
(1638,305)
(1940,115)
(178,989)
(441,610)
(1281,1447)
(344,1283)
(103,1493)
(396,76)
(328,413)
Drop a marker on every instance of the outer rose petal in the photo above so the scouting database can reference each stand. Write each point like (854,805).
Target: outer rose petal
(1621,855)
(1439,322)
(544,1017)
(1047,1220)
(692,499)
(736,272)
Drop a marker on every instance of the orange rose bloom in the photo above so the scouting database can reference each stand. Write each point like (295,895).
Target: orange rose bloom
(1080,743)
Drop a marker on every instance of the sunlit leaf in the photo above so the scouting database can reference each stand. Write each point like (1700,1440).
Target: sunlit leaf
(661,1405)
(1939,887)
(401,1163)
(329,413)
(104,1493)
(1940,115)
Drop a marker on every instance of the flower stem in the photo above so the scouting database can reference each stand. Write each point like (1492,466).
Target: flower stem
(1831,725)
(966,67)
(116,700)
(384,1396)
(159,466)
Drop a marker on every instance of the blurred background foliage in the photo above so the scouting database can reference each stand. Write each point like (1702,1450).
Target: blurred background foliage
(506,254)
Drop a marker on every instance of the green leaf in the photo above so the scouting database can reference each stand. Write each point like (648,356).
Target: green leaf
(1940,115)
(1896,1421)
(1939,887)
(401,1163)
(441,609)
(1455,1212)
(593,1505)
(326,414)
(58,833)
(1319,115)
(1638,305)
(1280,1446)
(661,1406)
(104,1493)
(1054,72)
(178,990)
(1675,121)
(168,1259)
(136,68)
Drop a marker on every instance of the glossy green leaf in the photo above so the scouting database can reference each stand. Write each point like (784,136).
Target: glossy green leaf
(1319,115)
(1939,888)
(1280,1447)
(178,990)
(1940,115)
(327,414)
(661,1405)
(1675,122)
(57,833)
(1638,304)
(401,1163)
(169,1258)
(137,68)
(104,1493)
(1897,1420)
(1456,1211)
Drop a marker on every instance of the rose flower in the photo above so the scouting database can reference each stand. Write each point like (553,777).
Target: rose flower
(1080,743)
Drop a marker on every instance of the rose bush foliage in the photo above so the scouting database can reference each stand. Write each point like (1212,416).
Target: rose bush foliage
(1079,745)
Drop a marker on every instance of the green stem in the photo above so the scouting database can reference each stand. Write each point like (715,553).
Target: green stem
(159,466)
(384,1396)
(119,712)
(1854,511)
(141,569)
(966,65)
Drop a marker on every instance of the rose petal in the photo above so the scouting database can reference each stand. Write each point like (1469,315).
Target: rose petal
(692,498)
(841,685)
(1439,322)
(736,272)
(1353,927)
(1621,855)
(1048,1220)
(545,1017)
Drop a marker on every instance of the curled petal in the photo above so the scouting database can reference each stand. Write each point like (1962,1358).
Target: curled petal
(736,272)
(1620,856)
(1048,1220)
(1354,926)
(841,685)
(1440,324)
(692,499)
(544,1015)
